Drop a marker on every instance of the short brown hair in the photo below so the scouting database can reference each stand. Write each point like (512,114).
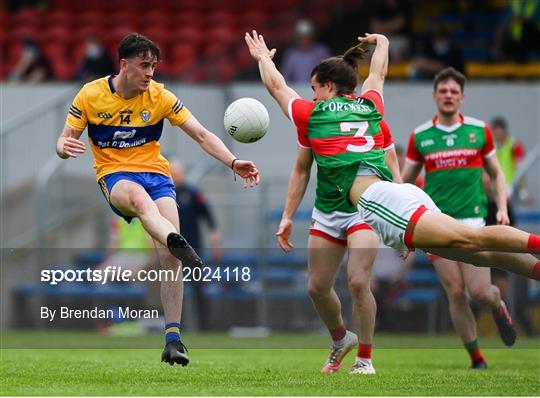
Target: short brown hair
(341,70)
(135,44)
(449,74)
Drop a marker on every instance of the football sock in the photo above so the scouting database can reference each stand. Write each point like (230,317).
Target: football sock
(534,242)
(536,271)
(474,351)
(172,332)
(364,352)
(338,333)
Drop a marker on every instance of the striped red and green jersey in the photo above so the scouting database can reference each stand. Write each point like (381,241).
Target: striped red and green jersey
(453,157)
(344,134)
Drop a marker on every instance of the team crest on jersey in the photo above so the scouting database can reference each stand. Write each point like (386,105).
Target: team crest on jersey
(450,139)
(472,138)
(146,115)
(312,222)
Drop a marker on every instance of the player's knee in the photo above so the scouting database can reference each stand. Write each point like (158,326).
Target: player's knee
(481,294)
(317,290)
(140,203)
(457,294)
(359,285)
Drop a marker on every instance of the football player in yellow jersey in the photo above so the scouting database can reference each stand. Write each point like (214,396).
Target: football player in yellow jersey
(124,115)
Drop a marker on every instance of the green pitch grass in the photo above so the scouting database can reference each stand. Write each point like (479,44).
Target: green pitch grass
(259,371)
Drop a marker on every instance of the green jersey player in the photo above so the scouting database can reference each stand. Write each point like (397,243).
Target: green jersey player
(455,149)
(402,214)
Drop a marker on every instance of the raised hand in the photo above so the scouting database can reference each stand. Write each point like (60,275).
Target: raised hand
(257,47)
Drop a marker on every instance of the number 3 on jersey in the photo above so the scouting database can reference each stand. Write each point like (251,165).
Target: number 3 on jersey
(361,128)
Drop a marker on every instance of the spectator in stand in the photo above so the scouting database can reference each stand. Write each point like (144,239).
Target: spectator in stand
(518,35)
(97,62)
(32,66)
(435,54)
(392,18)
(299,60)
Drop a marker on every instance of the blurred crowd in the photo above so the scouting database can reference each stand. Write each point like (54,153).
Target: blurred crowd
(202,41)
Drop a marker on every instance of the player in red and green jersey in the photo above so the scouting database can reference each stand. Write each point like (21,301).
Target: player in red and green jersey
(336,227)
(402,214)
(455,149)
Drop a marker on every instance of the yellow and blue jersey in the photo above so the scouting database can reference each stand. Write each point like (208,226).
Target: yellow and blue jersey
(124,134)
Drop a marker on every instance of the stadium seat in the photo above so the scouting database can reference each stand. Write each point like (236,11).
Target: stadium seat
(219,18)
(57,17)
(89,18)
(23,32)
(27,16)
(122,18)
(56,34)
(115,35)
(157,34)
(186,34)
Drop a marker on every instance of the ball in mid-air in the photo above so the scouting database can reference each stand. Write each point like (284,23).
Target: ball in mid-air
(246,120)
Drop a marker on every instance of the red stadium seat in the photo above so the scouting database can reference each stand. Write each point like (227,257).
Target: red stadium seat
(251,19)
(27,16)
(122,18)
(221,35)
(157,34)
(89,17)
(81,33)
(219,18)
(158,18)
(186,19)
(23,32)
(114,36)
(179,52)
(58,18)
(190,35)
(57,34)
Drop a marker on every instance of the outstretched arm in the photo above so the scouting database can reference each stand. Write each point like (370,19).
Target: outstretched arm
(213,145)
(270,76)
(298,183)
(379,62)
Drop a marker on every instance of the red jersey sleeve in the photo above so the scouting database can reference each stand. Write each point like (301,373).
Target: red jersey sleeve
(388,141)
(413,156)
(299,112)
(375,97)
(518,151)
(488,149)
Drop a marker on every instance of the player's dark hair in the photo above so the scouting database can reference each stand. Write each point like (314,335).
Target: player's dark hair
(341,70)
(135,44)
(449,74)
(500,122)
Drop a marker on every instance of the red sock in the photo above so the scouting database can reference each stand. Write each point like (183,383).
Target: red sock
(477,355)
(534,242)
(536,271)
(338,333)
(364,351)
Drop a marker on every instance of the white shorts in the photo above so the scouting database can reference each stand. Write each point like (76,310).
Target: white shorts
(336,226)
(392,210)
